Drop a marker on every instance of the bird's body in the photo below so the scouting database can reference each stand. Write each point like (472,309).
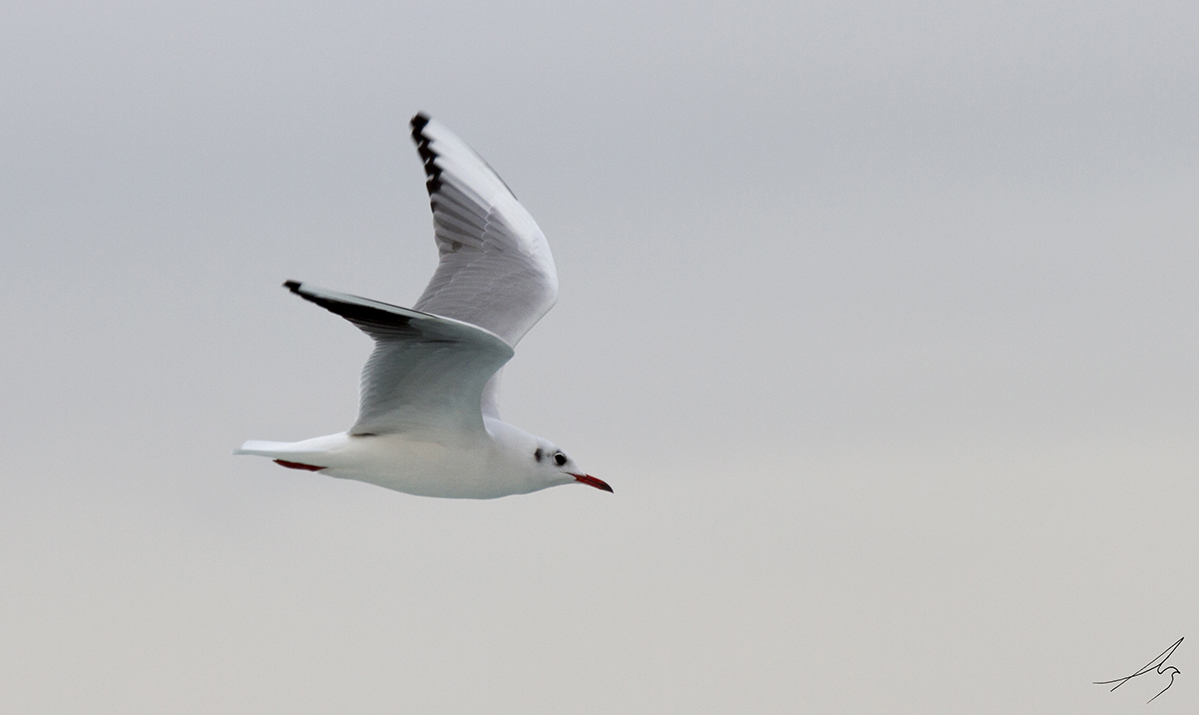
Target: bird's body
(441,464)
(428,423)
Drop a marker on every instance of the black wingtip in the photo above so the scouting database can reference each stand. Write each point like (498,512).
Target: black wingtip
(293,286)
(418,124)
(428,156)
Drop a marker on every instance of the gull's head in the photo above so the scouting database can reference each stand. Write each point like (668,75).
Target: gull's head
(553,465)
(537,463)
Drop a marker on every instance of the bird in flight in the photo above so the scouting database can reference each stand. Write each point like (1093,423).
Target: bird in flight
(428,423)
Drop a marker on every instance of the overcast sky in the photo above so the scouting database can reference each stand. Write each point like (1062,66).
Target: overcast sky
(878,316)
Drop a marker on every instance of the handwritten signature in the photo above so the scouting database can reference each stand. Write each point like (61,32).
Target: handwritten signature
(1157,664)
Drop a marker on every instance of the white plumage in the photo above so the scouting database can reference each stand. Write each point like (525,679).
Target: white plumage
(428,423)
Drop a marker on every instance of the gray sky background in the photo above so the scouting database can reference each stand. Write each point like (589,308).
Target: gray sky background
(879,317)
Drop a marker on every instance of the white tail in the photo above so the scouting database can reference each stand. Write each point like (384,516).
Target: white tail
(263,448)
(317,446)
(314,454)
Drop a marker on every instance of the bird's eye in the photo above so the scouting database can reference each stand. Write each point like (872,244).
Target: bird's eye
(559,458)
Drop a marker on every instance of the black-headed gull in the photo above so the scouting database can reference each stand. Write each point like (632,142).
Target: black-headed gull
(427,418)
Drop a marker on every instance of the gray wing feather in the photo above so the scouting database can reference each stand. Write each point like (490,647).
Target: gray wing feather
(496,270)
(426,373)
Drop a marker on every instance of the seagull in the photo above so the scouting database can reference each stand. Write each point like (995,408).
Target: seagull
(428,423)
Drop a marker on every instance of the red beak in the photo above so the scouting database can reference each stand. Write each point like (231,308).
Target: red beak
(592,481)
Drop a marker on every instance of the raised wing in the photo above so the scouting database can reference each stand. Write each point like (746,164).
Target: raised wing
(496,270)
(427,372)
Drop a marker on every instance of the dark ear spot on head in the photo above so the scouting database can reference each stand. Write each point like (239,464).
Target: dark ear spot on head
(537,455)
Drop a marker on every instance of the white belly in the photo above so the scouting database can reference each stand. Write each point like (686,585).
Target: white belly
(471,470)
